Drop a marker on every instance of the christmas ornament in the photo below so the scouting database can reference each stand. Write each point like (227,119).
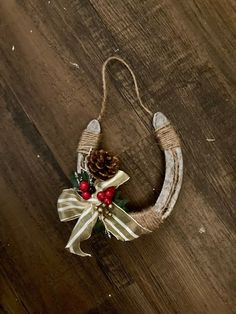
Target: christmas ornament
(94,199)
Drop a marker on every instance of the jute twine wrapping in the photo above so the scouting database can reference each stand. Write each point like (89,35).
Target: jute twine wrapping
(167,137)
(148,218)
(87,142)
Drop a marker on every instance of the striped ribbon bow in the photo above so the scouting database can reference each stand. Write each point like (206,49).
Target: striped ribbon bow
(71,206)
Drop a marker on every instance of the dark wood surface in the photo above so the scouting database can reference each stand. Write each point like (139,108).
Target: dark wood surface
(183,53)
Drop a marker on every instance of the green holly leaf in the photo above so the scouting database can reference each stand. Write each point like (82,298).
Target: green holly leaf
(74,179)
(120,202)
(84,175)
(117,196)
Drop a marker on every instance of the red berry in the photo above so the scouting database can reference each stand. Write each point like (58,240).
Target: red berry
(84,186)
(86,195)
(107,201)
(111,188)
(101,196)
(109,194)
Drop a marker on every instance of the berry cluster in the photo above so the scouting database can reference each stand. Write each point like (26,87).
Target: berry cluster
(86,189)
(106,196)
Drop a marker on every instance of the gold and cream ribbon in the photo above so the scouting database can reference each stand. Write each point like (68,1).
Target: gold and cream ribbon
(71,206)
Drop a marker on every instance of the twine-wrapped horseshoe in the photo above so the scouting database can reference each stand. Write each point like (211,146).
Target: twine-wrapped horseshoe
(124,226)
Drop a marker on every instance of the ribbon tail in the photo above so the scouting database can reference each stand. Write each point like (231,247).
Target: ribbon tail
(82,231)
(123,226)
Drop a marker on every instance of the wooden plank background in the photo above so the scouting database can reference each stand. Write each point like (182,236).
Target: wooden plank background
(183,53)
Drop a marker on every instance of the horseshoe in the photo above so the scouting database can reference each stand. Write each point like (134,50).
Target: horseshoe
(169,142)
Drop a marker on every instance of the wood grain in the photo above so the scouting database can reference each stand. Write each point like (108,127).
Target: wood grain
(183,53)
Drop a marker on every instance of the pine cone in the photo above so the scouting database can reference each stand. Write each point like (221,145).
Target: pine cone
(102,165)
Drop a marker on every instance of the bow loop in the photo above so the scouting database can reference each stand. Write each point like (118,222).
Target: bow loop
(70,205)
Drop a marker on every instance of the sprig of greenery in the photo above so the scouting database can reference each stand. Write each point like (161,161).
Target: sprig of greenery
(76,177)
(120,202)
